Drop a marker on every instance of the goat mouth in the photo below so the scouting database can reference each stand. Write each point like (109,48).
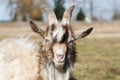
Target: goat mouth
(59,63)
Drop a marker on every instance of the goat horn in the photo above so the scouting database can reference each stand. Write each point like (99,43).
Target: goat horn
(51,15)
(67,15)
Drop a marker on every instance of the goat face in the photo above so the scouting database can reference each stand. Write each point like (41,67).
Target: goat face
(63,47)
(59,38)
(59,50)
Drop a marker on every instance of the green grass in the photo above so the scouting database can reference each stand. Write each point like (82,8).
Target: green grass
(98,59)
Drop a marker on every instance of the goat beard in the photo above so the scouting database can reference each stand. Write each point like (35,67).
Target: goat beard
(66,70)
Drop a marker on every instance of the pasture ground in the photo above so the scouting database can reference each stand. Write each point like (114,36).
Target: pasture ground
(98,55)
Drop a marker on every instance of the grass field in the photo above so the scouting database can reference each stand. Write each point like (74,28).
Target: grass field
(98,55)
(98,59)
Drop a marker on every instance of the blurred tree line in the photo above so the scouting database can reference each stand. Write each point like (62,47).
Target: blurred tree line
(30,9)
(25,9)
(59,10)
(87,10)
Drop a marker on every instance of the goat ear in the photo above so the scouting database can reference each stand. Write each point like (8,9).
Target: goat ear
(36,29)
(80,35)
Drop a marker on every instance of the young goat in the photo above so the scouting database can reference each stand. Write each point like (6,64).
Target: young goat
(53,60)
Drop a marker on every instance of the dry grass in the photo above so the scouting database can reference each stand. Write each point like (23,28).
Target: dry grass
(98,59)
(98,56)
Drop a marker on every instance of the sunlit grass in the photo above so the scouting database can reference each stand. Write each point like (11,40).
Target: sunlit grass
(98,59)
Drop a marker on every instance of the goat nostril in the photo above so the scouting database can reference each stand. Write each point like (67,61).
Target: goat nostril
(60,56)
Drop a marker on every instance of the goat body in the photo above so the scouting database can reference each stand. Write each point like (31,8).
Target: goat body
(53,59)
(18,59)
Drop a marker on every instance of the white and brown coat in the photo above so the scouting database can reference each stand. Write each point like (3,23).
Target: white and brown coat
(55,57)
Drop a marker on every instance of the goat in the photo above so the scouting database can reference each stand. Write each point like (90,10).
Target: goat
(52,60)
(57,51)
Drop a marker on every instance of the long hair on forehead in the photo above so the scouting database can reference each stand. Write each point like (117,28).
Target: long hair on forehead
(65,36)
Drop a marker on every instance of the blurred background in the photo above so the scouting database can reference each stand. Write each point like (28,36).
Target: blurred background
(98,55)
(87,10)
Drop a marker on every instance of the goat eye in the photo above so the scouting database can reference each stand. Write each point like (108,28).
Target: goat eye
(70,41)
(46,40)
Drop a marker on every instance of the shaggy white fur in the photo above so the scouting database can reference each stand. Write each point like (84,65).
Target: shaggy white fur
(18,59)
